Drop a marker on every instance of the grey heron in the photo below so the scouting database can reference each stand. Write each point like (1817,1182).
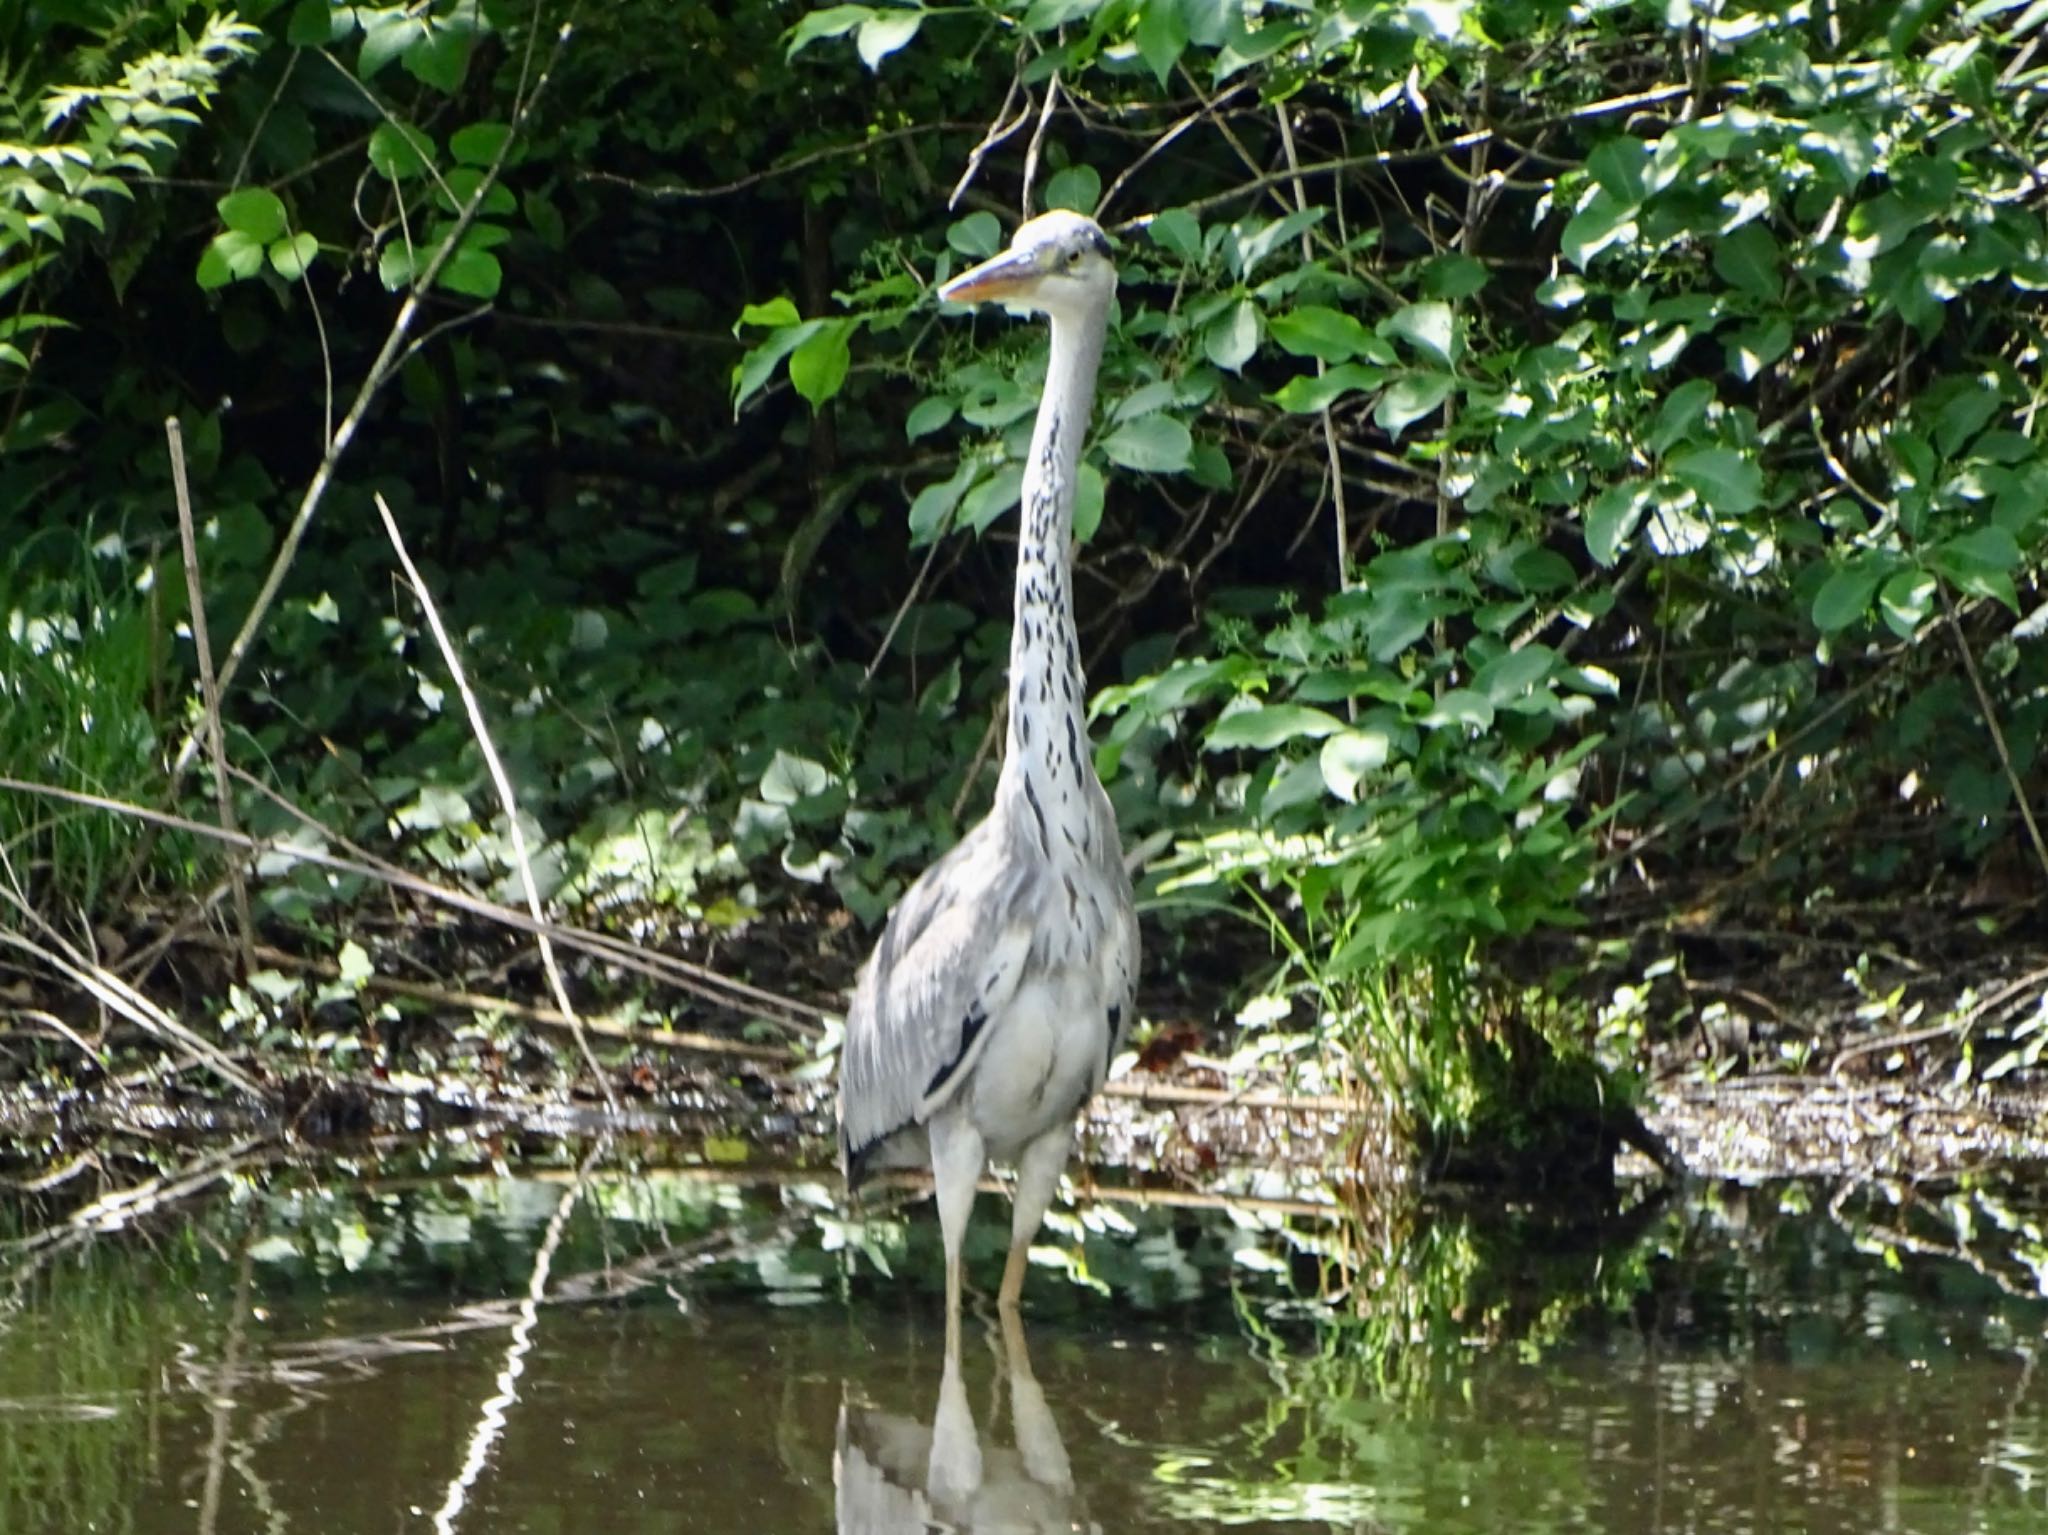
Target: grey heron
(1005,979)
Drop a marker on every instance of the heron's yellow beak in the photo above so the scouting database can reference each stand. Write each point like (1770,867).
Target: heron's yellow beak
(1000,277)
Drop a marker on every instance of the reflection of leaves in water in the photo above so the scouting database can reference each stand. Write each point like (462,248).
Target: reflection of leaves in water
(82,1341)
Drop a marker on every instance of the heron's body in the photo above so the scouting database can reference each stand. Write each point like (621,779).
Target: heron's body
(991,1008)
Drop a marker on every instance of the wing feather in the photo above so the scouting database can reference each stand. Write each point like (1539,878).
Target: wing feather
(949,961)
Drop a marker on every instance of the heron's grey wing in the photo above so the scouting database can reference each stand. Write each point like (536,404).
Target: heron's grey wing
(948,962)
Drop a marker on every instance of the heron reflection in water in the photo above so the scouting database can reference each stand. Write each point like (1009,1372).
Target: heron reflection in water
(895,1475)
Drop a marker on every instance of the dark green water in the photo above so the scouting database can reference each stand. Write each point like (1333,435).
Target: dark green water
(336,1353)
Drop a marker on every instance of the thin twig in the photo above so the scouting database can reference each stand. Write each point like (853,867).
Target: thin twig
(998,132)
(1336,461)
(115,994)
(1052,96)
(996,716)
(209,693)
(507,800)
(1984,705)
(1158,145)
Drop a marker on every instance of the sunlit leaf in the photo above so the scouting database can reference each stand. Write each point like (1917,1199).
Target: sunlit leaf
(1270,726)
(1429,328)
(1233,336)
(817,368)
(833,21)
(1157,444)
(1407,400)
(883,33)
(254,211)
(1729,482)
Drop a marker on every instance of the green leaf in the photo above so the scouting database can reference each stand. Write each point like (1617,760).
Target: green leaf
(1078,187)
(1726,480)
(1749,259)
(978,236)
(1844,598)
(1262,729)
(1428,328)
(231,255)
(883,33)
(290,256)
(355,959)
(386,34)
(399,150)
(927,416)
(1162,35)
(1462,709)
(1680,412)
(472,272)
(1313,392)
(465,183)
(1510,677)
(479,143)
(758,366)
(441,57)
(774,314)
(1090,495)
(1753,348)
(316,23)
(1601,223)
(934,505)
(1612,518)
(1232,337)
(544,219)
(1981,563)
(1349,756)
(1617,166)
(254,211)
(1155,444)
(790,779)
(1330,335)
(818,367)
(1407,400)
(833,21)
(992,497)
(1454,276)
(1177,230)
(1905,602)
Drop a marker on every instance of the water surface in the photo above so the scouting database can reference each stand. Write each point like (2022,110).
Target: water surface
(342,1352)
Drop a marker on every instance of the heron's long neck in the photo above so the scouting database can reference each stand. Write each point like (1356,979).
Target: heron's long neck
(1048,740)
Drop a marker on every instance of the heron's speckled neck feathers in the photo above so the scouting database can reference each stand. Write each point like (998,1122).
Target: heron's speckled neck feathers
(1045,762)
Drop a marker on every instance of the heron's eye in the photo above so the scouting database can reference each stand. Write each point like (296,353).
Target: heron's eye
(1074,258)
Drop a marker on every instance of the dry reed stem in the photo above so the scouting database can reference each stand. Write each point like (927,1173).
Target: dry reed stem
(507,800)
(209,692)
(116,995)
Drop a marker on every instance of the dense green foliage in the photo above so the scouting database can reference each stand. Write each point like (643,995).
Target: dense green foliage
(1546,454)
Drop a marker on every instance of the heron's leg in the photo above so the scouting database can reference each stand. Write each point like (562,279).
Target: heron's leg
(1038,1178)
(957,1159)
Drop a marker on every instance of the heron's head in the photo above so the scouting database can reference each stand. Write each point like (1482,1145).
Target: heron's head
(1059,263)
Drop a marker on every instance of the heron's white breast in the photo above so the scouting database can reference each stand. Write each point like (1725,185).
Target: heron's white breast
(1042,1061)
